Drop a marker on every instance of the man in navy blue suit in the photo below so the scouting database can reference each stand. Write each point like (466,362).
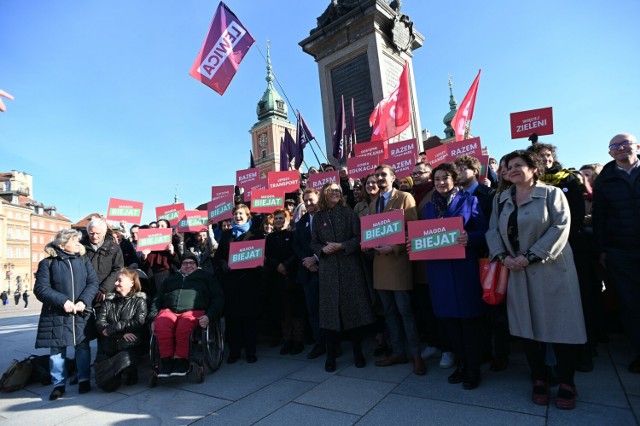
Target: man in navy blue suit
(308,269)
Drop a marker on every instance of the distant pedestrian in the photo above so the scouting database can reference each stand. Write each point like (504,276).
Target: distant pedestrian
(5,298)
(25,298)
(16,296)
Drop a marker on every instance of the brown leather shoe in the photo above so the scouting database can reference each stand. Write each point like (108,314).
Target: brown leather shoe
(392,360)
(419,369)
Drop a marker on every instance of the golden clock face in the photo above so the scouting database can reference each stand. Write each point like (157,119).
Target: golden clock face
(262,140)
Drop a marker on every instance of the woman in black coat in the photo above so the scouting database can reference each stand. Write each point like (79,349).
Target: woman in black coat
(241,288)
(121,324)
(66,284)
(345,299)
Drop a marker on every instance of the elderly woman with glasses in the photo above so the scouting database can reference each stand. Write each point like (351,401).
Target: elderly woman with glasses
(345,300)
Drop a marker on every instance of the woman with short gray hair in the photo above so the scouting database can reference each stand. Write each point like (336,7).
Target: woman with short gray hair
(66,284)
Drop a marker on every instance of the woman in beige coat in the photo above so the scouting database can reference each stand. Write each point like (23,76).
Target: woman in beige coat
(528,233)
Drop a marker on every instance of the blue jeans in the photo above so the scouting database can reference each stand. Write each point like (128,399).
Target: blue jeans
(57,357)
(399,317)
(623,267)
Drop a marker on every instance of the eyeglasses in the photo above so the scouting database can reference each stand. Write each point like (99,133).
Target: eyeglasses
(442,179)
(419,173)
(334,191)
(188,262)
(624,144)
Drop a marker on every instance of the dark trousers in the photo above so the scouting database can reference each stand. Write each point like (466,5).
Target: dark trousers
(499,331)
(465,335)
(332,338)
(566,356)
(241,332)
(312,298)
(623,267)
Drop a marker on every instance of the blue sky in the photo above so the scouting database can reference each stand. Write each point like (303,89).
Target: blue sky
(104,106)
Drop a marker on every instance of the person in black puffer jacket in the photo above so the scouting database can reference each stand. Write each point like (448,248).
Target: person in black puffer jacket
(66,284)
(121,325)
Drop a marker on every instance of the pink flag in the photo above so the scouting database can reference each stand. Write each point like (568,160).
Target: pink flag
(226,44)
(392,115)
(465,110)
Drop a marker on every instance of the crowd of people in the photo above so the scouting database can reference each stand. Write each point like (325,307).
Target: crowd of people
(563,234)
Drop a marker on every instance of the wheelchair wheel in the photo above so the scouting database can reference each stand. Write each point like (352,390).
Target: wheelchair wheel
(153,380)
(213,346)
(154,353)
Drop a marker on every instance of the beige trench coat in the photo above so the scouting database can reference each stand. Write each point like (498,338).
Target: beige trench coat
(543,301)
(393,271)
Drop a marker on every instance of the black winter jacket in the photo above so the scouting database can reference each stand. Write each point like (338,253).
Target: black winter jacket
(59,278)
(616,209)
(119,315)
(107,261)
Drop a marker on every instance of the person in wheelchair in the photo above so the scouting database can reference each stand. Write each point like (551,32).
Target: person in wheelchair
(188,298)
(120,324)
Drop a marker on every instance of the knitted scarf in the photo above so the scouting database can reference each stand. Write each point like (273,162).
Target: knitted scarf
(238,230)
(441,203)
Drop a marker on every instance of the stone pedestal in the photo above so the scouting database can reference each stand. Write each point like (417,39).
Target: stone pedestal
(360,48)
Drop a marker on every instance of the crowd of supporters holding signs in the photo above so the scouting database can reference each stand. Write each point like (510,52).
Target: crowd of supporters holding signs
(396,258)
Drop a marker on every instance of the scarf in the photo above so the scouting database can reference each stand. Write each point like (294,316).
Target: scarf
(238,230)
(555,176)
(440,203)
(421,191)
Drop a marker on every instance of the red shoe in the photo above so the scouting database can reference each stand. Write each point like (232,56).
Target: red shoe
(566,398)
(540,393)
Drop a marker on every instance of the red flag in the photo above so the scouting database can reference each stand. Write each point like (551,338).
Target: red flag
(465,110)
(392,115)
(226,44)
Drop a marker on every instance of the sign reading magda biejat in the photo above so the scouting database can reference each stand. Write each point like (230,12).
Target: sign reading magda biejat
(436,239)
(246,254)
(129,211)
(382,229)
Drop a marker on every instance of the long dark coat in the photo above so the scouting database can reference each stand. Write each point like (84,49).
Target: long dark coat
(59,278)
(241,286)
(344,296)
(454,284)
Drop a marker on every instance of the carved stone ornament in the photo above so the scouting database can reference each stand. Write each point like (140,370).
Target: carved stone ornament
(402,33)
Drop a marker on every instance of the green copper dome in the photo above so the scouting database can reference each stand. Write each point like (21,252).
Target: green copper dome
(271,103)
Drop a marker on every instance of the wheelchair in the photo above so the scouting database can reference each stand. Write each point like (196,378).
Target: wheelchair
(206,348)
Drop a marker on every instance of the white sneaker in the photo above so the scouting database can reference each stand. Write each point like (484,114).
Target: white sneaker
(447,360)
(430,352)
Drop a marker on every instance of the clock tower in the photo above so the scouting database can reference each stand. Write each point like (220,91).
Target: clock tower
(268,132)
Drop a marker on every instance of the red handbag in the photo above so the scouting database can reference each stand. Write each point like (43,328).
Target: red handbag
(493,276)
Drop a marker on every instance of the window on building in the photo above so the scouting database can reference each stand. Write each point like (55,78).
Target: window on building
(41,256)
(10,252)
(9,233)
(34,239)
(41,239)
(34,257)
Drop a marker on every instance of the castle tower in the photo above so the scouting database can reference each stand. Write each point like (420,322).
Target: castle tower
(267,133)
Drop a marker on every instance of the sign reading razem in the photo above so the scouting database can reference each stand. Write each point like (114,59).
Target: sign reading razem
(154,239)
(382,229)
(436,239)
(246,254)
(129,211)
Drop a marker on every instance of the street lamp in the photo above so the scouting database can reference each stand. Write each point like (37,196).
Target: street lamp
(8,267)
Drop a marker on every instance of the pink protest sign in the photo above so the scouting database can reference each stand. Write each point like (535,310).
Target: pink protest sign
(436,239)
(287,181)
(129,211)
(221,208)
(360,167)
(382,229)
(402,165)
(154,239)
(368,149)
(402,148)
(258,184)
(318,180)
(246,254)
(437,155)
(471,147)
(538,121)
(193,221)
(247,177)
(266,200)
(222,191)
(484,163)
(169,213)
